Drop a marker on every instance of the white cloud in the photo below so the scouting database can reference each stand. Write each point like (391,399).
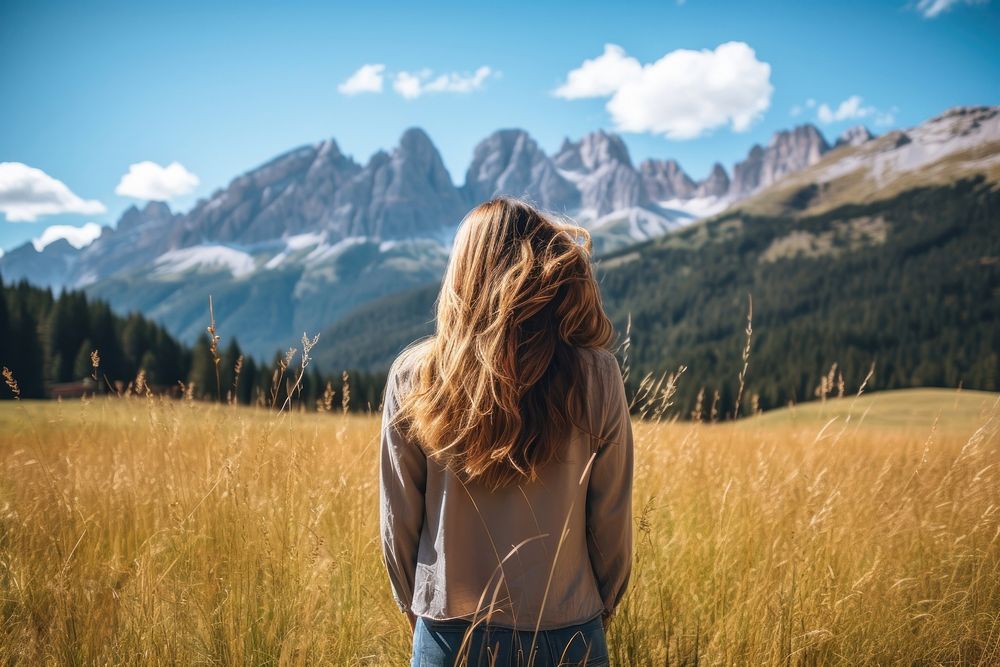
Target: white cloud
(934,8)
(600,76)
(853,108)
(27,193)
(148,180)
(407,85)
(414,84)
(368,79)
(682,95)
(78,237)
(849,109)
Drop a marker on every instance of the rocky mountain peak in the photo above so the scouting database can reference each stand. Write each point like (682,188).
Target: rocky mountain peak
(716,184)
(415,141)
(152,212)
(664,179)
(290,194)
(854,136)
(600,167)
(600,148)
(592,152)
(788,151)
(406,194)
(510,162)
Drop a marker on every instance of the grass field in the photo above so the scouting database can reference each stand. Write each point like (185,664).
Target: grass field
(144,532)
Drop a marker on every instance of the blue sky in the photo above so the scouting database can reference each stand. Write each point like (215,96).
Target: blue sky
(91,89)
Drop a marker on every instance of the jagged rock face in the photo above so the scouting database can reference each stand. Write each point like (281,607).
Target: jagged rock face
(664,179)
(317,188)
(153,214)
(717,183)
(510,162)
(406,194)
(789,151)
(590,153)
(290,194)
(854,136)
(600,167)
(747,174)
(140,236)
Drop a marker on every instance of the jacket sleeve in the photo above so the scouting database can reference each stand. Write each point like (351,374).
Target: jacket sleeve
(402,478)
(609,493)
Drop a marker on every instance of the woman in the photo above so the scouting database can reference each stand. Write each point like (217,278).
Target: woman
(506,455)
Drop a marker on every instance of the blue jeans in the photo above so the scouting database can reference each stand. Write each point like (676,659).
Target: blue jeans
(440,644)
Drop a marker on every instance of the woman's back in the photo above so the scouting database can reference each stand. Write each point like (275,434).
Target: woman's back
(506,458)
(542,554)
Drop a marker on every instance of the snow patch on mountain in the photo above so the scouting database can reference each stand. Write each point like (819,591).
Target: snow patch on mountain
(695,208)
(326,251)
(204,258)
(303,241)
(636,224)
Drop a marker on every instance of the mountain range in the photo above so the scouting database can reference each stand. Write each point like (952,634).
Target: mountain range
(883,256)
(303,241)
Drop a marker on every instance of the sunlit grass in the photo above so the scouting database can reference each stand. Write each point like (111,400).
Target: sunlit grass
(140,531)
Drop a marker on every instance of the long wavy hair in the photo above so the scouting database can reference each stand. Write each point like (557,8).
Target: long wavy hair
(495,392)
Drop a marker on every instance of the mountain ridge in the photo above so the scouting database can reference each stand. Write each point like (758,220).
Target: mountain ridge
(319,233)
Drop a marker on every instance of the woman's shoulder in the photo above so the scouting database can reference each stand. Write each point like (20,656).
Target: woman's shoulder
(599,359)
(601,370)
(401,370)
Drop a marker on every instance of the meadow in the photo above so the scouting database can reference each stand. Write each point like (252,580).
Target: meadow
(146,531)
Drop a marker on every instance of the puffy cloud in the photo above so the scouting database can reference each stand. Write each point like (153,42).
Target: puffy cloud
(78,237)
(407,85)
(934,8)
(848,109)
(600,76)
(853,108)
(414,84)
(27,193)
(368,79)
(148,180)
(682,95)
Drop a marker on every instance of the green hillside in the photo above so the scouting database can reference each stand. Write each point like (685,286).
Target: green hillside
(910,284)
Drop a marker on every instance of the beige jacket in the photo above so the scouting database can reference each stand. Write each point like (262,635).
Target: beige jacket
(457,550)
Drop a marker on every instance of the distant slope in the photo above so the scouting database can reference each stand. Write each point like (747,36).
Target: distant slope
(371,336)
(961,143)
(911,284)
(918,409)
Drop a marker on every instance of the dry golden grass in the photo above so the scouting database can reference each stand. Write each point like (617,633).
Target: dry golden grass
(140,531)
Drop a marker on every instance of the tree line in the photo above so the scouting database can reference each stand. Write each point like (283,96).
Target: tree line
(57,342)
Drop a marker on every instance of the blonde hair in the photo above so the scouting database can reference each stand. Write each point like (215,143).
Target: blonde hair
(496,391)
